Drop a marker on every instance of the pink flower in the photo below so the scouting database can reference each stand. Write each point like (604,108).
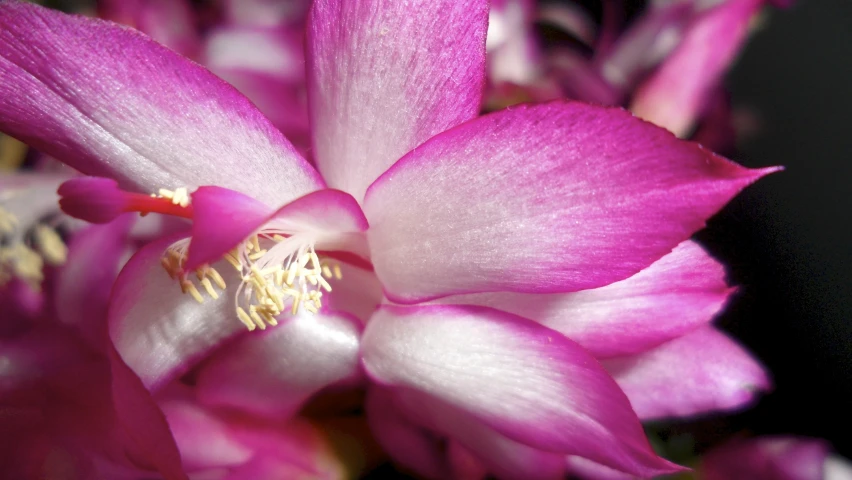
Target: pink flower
(548,204)
(666,65)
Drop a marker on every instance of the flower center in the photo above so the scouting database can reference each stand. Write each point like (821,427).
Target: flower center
(279,272)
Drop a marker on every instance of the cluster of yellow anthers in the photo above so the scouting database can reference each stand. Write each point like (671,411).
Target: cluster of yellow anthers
(23,261)
(267,288)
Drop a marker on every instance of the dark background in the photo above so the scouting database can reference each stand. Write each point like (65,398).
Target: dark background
(788,239)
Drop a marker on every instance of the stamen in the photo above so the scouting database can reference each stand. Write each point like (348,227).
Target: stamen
(277,274)
(51,245)
(8,222)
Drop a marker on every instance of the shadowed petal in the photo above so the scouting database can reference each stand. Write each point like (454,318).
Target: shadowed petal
(407,443)
(774,457)
(384,76)
(109,101)
(703,371)
(673,296)
(503,457)
(273,373)
(551,198)
(525,381)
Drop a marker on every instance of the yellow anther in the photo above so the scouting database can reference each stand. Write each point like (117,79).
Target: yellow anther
(257,255)
(337,273)
(217,279)
(247,321)
(205,282)
(297,299)
(255,243)
(8,222)
(179,196)
(257,320)
(326,272)
(232,259)
(188,287)
(291,274)
(325,285)
(312,279)
(309,306)
(279,238)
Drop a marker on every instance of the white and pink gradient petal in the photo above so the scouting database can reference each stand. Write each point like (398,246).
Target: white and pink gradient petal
(551,198)
(384,76)
(157,330)
(273,373)
(675,295)
(109,101)
(701,372)
(517,377)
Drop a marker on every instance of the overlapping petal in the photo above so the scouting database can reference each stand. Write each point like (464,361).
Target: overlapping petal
(157,330)
(501,456)
(109,101)
(274,372)
(701,372)
(541,199)
(525,381)
(384,76)
(673,296)
(332,218)
(777,458)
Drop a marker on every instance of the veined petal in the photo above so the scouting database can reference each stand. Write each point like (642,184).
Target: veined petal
(223,218)
(541,199)
(676,94)
(703,371)
(521,379)
(157,330)
(109,101)
(673,296)
(384,76)
(274,372)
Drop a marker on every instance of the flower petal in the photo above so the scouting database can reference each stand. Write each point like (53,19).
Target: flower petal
(502,456)
(541,199)
(84,283)
(204,440)
(223,218)
(274,372)
(384,76)
(673,296)
(111,102)
(703,371)
(677,93)
(525,381)
(158,331)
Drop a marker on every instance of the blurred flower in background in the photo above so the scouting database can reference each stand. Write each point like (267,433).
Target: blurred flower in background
(469,348)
